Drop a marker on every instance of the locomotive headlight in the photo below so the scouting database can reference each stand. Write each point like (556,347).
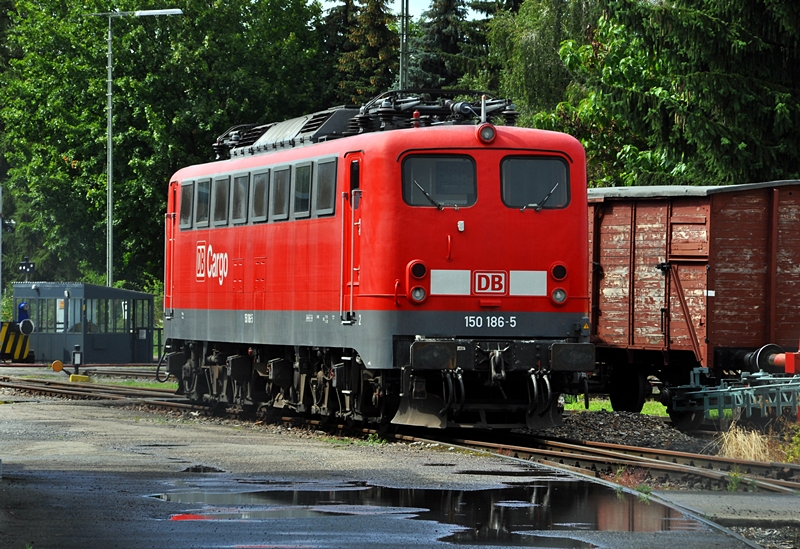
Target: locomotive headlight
(418,270)
(486,133)
(418,294)
(559,296)
(559,272)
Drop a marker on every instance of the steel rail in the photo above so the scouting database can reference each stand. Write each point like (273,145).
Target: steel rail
(596,460)
(581,459)
(769,469)
(100,392)
(93,387)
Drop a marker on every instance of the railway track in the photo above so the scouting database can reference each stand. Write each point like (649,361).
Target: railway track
(154,397)
(586,457)
(598,459)
(106,370)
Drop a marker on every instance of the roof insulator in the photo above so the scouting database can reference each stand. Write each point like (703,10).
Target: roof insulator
(510,114)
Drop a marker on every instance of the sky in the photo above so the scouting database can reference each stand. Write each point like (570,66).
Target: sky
(415,7)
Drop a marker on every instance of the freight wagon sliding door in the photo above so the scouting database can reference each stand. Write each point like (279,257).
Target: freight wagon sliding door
(351,237)
(630,291)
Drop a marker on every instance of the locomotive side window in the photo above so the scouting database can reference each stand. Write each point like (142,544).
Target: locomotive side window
(241,184)
(203,199)
(260,196)
(326,188)
(438,181)
(534,182)
(187,194)
(302,191)
(280,194)
(221,201)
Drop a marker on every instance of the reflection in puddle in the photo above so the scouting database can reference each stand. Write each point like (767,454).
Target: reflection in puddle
(538,514)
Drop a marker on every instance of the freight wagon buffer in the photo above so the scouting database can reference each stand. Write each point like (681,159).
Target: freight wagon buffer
(687,284)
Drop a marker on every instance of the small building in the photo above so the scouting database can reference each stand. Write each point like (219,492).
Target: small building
(111,325)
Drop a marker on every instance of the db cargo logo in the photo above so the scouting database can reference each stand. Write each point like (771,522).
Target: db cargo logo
(210,264)
(489,282)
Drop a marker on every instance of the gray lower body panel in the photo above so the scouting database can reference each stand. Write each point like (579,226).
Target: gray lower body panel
(371,333)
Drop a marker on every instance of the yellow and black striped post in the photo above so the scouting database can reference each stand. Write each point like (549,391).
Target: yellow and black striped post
(15,344)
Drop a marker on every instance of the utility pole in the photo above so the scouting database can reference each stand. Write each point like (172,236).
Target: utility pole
(404,24)
(109,130)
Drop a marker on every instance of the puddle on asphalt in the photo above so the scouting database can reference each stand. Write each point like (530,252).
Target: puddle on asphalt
(549,511)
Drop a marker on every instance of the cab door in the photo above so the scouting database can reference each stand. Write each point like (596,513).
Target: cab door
(351,236)
(170,228)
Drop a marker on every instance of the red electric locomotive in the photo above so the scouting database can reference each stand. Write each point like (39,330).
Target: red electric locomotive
(406,261)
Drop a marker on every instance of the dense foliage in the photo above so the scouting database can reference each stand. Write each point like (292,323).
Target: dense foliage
(179,81)
(658,91)
(687,92)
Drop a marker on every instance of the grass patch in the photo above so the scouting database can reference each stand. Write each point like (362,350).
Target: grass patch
(171,385)
(651,407)
(726,414)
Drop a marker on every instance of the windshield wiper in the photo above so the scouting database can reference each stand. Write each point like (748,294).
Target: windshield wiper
(540,205)
(429,197)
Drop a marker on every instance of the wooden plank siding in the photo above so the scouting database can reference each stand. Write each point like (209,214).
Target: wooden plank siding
(787,329)
(709,267)
(739,269)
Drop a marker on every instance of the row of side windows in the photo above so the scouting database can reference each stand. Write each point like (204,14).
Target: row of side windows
(297,191)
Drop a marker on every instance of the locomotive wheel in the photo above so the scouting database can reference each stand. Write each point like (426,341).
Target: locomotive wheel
(628,389)
(194,385)
(686,421)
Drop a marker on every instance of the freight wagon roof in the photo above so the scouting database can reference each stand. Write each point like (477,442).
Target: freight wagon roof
(668,191)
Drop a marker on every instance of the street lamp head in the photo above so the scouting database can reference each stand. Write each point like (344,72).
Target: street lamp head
(143,13)
(138,13)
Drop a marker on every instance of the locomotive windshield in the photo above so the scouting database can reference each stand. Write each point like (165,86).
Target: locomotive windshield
(535,182)
(439,181)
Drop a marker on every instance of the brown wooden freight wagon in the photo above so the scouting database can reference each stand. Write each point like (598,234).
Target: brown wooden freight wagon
(684,277)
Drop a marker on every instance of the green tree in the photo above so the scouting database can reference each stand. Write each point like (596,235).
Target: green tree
(689,92)
(482,67)
(438,47)
(339,24)
(178,83)
(371,66)
(525,45)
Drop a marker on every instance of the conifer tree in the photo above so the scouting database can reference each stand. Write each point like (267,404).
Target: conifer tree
(370,67)
(439,46)
(339,24)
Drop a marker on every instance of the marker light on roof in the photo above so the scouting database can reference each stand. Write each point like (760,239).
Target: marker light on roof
(486,133)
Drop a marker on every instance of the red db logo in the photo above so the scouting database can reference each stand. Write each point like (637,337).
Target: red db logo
(200,264)
(490,282)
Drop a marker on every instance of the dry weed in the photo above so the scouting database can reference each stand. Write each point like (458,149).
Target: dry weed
(740,443)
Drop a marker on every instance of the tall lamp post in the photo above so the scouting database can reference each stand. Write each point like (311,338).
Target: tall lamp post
(109,145)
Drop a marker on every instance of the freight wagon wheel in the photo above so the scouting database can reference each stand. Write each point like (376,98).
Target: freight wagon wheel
(628,389)
(686,421)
